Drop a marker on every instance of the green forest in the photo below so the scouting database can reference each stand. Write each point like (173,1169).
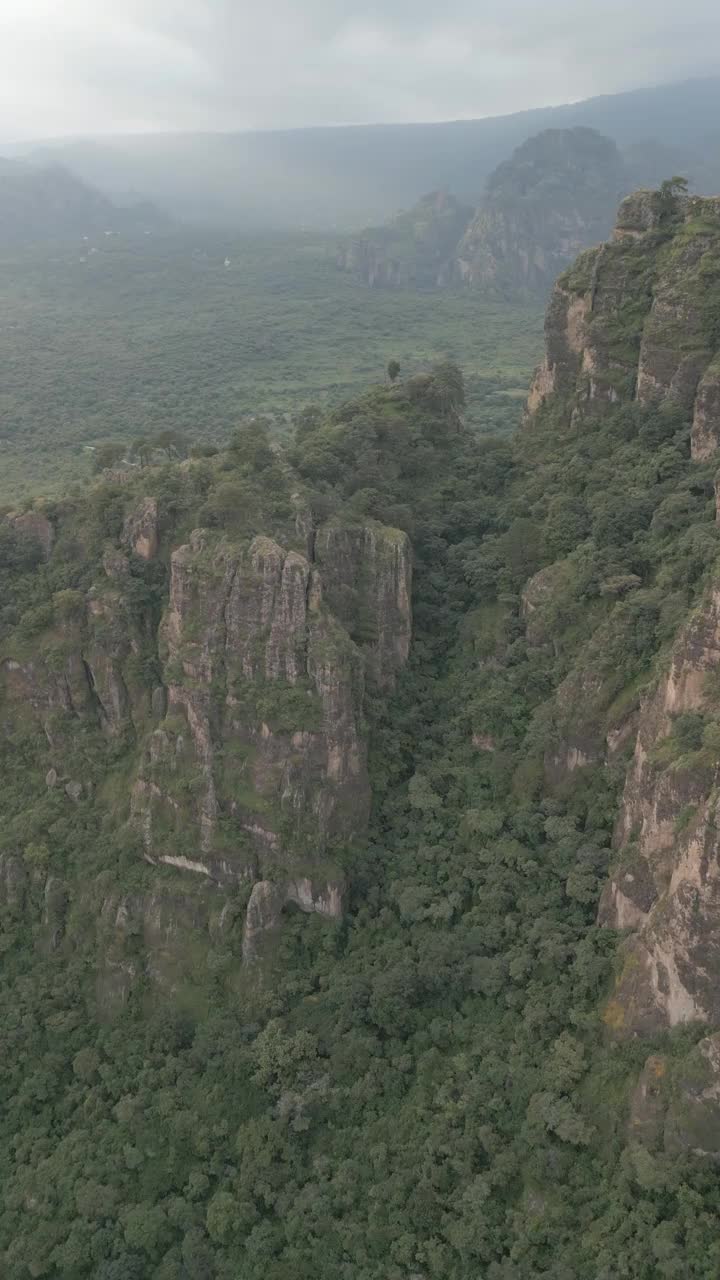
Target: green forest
(425,1088)
(120,338)
(360,747)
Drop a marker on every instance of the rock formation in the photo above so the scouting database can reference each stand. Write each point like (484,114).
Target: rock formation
(249,746)
(634,319)
(635,323)
(555,196)
(665,886)
(411,249)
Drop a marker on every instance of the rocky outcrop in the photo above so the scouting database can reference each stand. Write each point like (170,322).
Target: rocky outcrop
(54,688)
(638,214)
(413,249)
(366,573)
(112,638)
(244,706)
(648,1103)
(565,340)
(675,1106)
(634,320)
(373,264)
(264,695)
(537,602)
(553,198)
(259,766)
(677,339)
(140,532)
(692,1125)
(665,885)
(705,436)
(269,899)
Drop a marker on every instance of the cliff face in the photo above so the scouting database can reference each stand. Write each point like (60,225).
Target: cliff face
(410,250)
(633,335)
(239,704)
(554,197)
(664,886)
(635,322)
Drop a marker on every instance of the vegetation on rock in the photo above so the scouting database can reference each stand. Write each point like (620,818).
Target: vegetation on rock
(427,1084)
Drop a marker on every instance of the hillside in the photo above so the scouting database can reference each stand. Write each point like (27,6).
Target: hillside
(412,249)
(50,204)
(556,195)
(358,854)
(345,178)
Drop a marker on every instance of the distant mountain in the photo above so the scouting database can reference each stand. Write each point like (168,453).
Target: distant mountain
(46,204)
(412,248)
(342,178)
(555,196)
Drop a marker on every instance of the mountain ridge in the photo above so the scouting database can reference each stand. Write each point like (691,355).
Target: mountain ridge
(345,176)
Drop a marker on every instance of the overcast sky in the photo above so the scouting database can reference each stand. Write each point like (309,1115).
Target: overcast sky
(83,66)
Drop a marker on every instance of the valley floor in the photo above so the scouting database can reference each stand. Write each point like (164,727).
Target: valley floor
(120,339)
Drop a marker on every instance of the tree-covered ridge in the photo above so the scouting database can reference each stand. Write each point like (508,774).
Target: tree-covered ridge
(424,1087)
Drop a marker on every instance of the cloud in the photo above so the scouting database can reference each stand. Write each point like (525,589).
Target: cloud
(84,66)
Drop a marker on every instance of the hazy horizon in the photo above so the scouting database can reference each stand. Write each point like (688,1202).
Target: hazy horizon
(99,69)
(89,136)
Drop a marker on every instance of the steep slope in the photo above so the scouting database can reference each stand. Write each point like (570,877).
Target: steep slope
(556,195)
(635,323)
(440,1081)
(48,204)
(240,711)
(411,249)
(636,320)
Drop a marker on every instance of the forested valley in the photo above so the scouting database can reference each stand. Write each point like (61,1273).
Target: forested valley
(315,934)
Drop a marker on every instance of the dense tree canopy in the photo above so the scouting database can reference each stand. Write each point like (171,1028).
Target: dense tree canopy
(425,1088)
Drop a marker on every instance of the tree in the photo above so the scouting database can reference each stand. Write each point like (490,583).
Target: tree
(393,370)
(668,196)
(172,443)
(108,455)
(143,451)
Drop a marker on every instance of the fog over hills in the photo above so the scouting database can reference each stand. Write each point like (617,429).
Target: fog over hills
(346,177)
(44,203)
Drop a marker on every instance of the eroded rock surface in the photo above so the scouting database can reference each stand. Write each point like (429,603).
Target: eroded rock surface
(665,886)
(141,530)
(242,705)
(632,320)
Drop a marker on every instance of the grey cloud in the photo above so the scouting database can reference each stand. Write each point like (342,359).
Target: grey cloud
(95,65)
